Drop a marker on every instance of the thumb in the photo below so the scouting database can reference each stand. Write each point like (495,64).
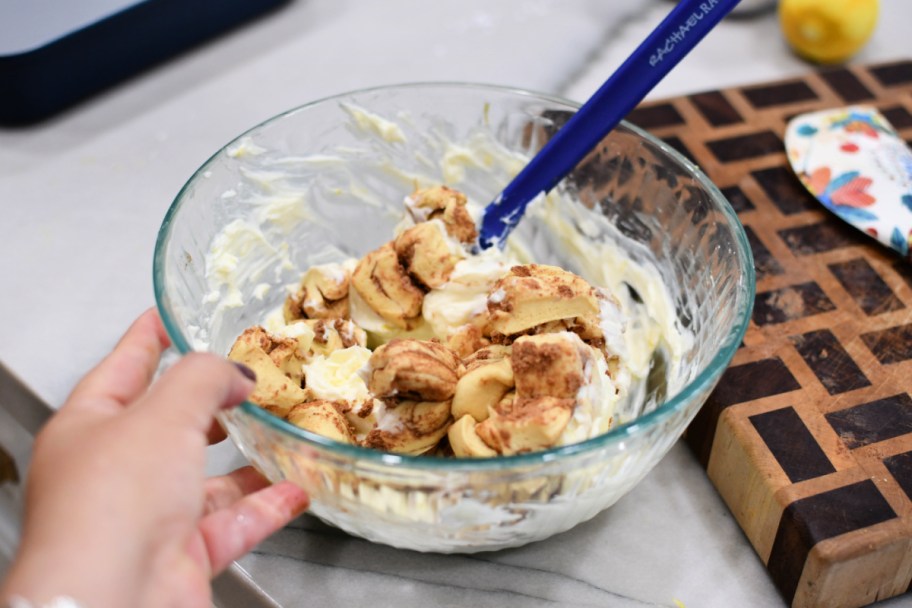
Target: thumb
(191,392)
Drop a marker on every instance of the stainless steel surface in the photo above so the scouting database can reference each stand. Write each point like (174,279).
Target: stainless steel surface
(234,587)
(15,450)
(21,403)
(22,414)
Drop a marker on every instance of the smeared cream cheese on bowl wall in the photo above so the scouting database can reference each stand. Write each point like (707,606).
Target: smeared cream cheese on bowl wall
(427,396)
(456,296)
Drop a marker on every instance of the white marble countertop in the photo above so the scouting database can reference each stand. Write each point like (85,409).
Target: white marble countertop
(83,196)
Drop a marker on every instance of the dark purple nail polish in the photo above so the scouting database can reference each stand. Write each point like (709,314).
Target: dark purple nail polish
(246,371)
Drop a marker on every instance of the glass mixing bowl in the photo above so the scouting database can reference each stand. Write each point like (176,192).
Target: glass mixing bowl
(326,181)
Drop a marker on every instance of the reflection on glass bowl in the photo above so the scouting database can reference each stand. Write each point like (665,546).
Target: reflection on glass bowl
(320,183)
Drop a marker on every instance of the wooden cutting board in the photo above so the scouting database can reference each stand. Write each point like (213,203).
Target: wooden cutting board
(808,437)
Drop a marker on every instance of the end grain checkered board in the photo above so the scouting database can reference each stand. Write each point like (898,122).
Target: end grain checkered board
(808,437)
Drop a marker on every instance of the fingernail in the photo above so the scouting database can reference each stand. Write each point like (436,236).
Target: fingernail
(246,371)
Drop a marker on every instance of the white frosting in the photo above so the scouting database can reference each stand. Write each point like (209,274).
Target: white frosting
(596,401)
(225,274)
(261,290)
(387,418)
(244,147)
(477,153)
(339,376)
(295,330)
(274,322)
(465,295)
(337,272)
(372,123)
(613,326)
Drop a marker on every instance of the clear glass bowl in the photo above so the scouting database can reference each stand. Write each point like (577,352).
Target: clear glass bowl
(325,181)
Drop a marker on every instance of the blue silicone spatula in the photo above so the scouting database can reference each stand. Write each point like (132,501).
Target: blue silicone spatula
(674,37)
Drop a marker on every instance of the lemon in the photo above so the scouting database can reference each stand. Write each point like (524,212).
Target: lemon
(827,31)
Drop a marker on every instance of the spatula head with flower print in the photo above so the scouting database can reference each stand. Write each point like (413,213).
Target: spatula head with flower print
(856,164)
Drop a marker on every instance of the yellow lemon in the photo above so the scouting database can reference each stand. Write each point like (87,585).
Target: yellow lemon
(827,31)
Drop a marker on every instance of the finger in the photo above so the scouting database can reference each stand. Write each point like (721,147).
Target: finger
(231,532)
(124,374)
(190,393)
(224,491)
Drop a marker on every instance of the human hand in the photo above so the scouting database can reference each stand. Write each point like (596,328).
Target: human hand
(118,510)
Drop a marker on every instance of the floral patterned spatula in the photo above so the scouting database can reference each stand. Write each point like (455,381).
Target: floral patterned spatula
(856,164)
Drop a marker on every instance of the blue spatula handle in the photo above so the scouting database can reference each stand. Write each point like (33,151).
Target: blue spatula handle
(678,33)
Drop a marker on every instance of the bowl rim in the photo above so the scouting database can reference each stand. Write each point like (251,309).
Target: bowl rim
(624,432)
